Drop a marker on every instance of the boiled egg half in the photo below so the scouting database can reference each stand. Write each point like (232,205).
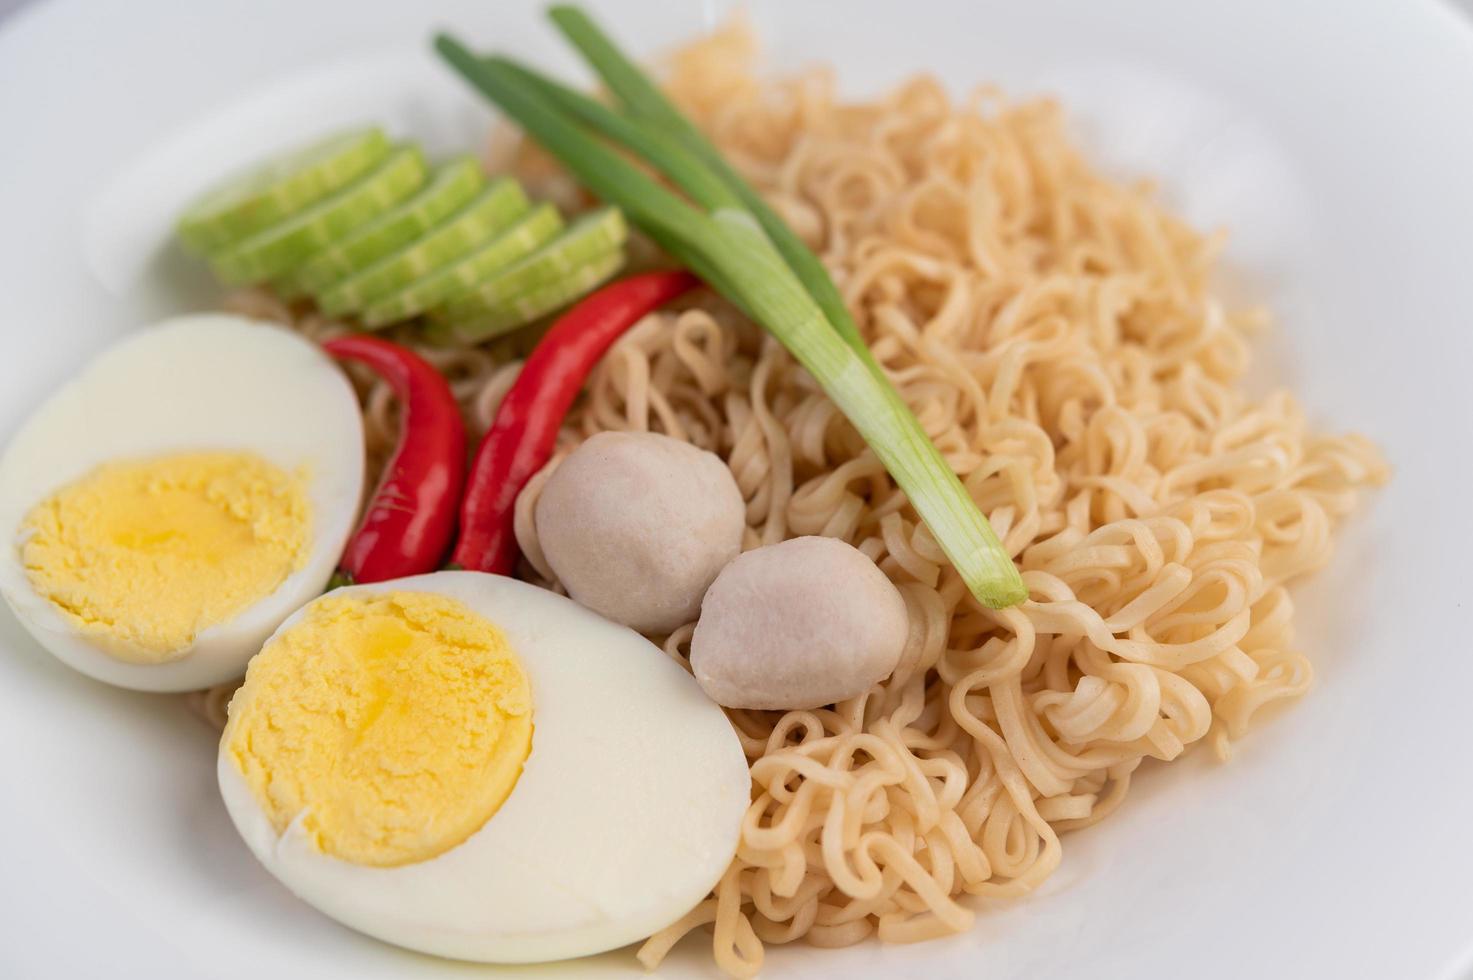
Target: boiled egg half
(164,511)
(470,766)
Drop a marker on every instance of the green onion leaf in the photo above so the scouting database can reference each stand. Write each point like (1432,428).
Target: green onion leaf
(645,100)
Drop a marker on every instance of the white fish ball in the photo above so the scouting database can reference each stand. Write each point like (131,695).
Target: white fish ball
(799,624)
(637,525)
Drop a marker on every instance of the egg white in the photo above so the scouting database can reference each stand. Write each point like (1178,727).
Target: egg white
(204,382)
(626,814)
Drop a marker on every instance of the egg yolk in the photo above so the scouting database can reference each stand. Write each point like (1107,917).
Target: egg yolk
(142,556)
(391,725)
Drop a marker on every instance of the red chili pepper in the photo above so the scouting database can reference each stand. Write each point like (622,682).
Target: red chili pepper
(522,437)
(408,523)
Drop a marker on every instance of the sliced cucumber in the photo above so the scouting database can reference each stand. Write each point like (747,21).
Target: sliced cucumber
(275,190)
(588,237)
(448,189)
(523,309)
(488,213)
(537,226)
(271,252)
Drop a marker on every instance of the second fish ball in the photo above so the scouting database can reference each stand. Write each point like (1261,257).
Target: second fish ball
(637,525)
(798,624)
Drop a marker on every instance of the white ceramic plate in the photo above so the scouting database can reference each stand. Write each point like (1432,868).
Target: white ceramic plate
(1336,142)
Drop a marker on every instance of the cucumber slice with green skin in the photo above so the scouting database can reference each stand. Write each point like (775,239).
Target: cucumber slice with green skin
(523,309)
(449,188)
(537,226)
(267,254)
(279,188)
(487,214)
(588,237)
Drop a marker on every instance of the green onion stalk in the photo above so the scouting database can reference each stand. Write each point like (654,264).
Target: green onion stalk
(725,233)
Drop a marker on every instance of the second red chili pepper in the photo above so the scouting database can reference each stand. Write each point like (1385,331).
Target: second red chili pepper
(522,438)
(408,524)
